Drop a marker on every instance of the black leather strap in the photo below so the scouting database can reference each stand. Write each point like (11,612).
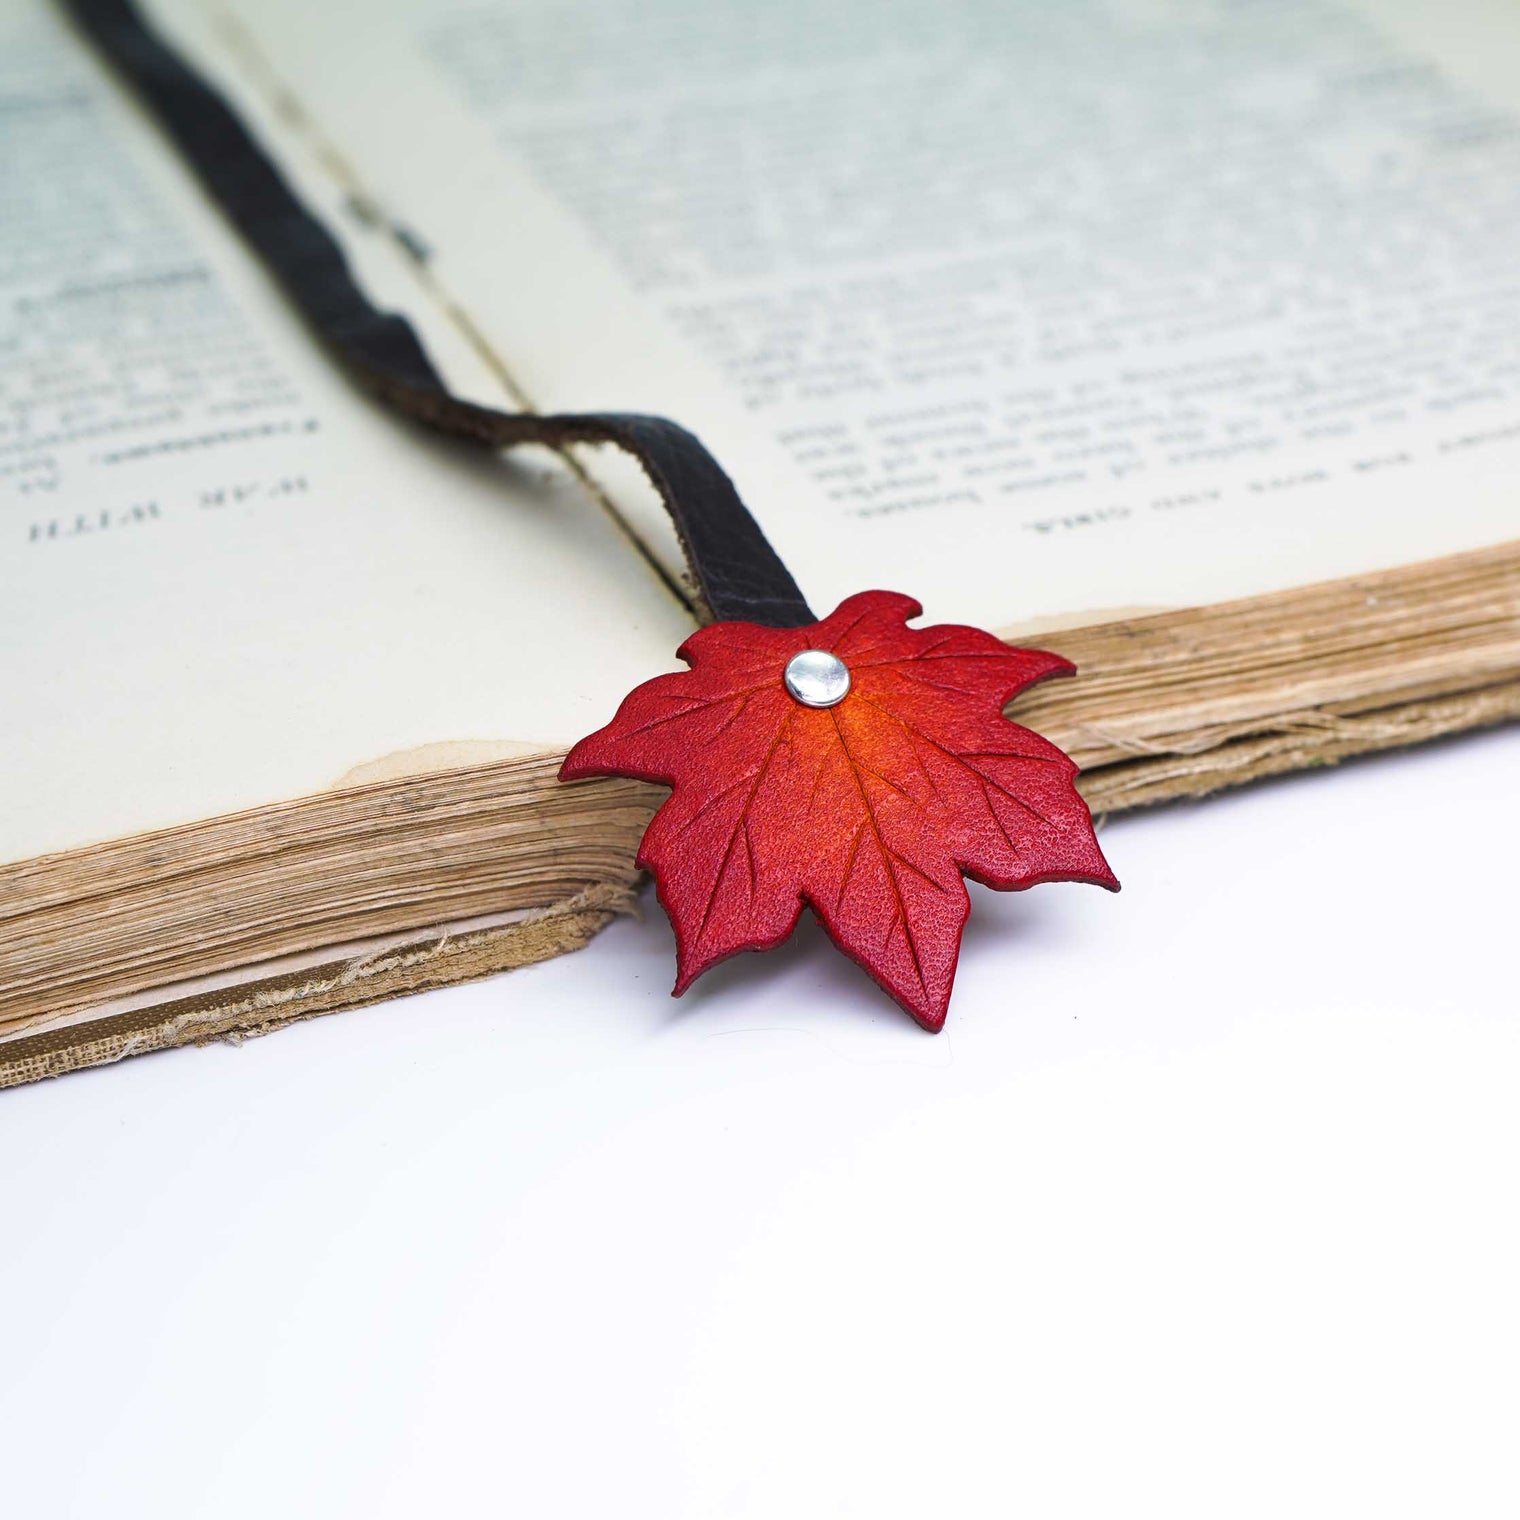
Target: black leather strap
(739,574)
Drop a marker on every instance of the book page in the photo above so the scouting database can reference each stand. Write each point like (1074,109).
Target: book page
(226,580)
(1034,311)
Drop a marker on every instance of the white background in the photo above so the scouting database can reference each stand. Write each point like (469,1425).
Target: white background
(1204,1204)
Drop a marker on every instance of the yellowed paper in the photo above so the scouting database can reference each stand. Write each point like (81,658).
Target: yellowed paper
(1026,309)
(225,578)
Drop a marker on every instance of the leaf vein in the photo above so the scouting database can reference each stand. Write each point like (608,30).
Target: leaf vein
(698,704)
(733,839)
(901,912)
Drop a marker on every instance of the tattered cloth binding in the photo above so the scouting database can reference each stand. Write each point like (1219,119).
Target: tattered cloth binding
(455,862)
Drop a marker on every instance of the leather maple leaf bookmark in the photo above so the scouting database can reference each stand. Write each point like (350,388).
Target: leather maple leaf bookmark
(854,764)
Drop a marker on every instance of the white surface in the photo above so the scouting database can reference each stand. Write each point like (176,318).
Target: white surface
(1204,1205)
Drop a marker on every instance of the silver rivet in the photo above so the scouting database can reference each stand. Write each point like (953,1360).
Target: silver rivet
(817,678)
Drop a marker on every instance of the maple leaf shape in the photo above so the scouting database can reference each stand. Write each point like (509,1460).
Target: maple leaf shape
(868,810)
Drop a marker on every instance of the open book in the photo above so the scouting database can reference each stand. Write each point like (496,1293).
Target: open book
(1180,336)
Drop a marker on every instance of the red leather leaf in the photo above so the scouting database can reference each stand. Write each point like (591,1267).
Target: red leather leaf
(869,810)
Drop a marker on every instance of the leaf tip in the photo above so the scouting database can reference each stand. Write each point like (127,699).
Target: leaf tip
(1096,871)
(581,762)
(930,1020)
